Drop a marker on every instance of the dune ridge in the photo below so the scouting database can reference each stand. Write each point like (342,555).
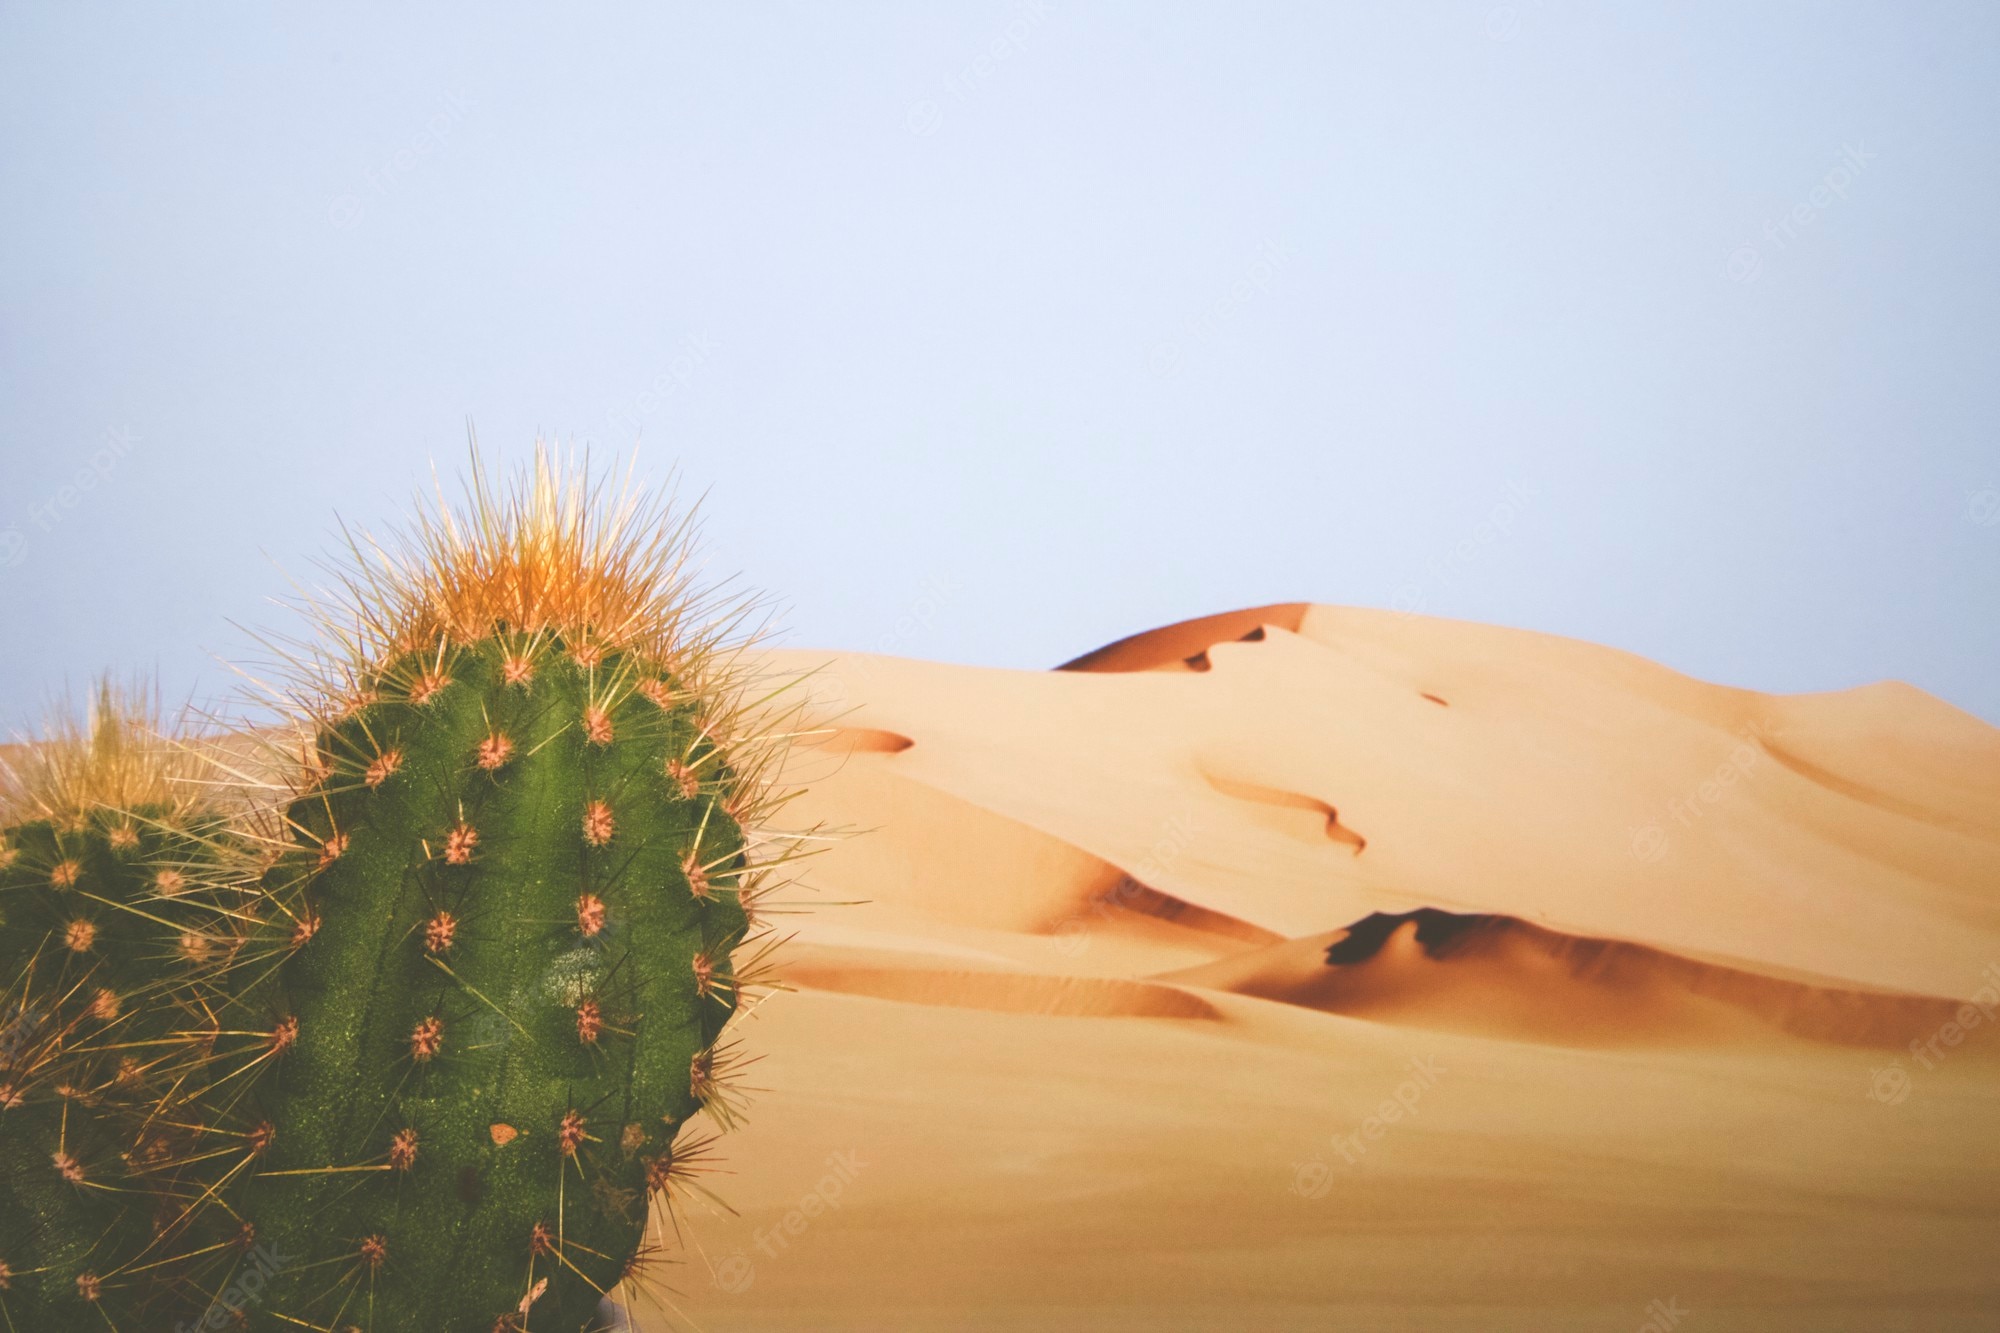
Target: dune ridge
(1180,646)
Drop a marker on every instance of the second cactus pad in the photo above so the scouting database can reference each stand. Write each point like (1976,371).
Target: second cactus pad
(516,893)
(122,896)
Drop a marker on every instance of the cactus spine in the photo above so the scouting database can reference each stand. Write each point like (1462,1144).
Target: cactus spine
(515,882)
(121,895)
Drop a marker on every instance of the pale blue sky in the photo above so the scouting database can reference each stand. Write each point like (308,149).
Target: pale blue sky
(1029,326)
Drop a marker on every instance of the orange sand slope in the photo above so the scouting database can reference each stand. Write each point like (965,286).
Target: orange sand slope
(1310,968)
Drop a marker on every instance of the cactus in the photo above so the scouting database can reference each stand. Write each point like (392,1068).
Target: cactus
(120,894)
(62,1230)
(514,885)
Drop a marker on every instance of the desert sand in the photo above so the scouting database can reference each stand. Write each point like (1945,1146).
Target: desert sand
(1319,968)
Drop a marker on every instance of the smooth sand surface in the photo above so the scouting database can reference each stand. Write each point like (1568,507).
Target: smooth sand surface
(1315,968)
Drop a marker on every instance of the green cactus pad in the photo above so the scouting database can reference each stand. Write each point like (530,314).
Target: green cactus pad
(116,927)
(515,892)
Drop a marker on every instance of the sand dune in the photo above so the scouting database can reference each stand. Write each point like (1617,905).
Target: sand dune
(1308,967)
(1504,977)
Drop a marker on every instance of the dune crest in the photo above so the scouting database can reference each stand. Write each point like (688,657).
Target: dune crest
(1181,646)
(1330,827)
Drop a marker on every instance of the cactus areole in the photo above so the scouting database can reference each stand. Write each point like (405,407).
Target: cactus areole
(511,881)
